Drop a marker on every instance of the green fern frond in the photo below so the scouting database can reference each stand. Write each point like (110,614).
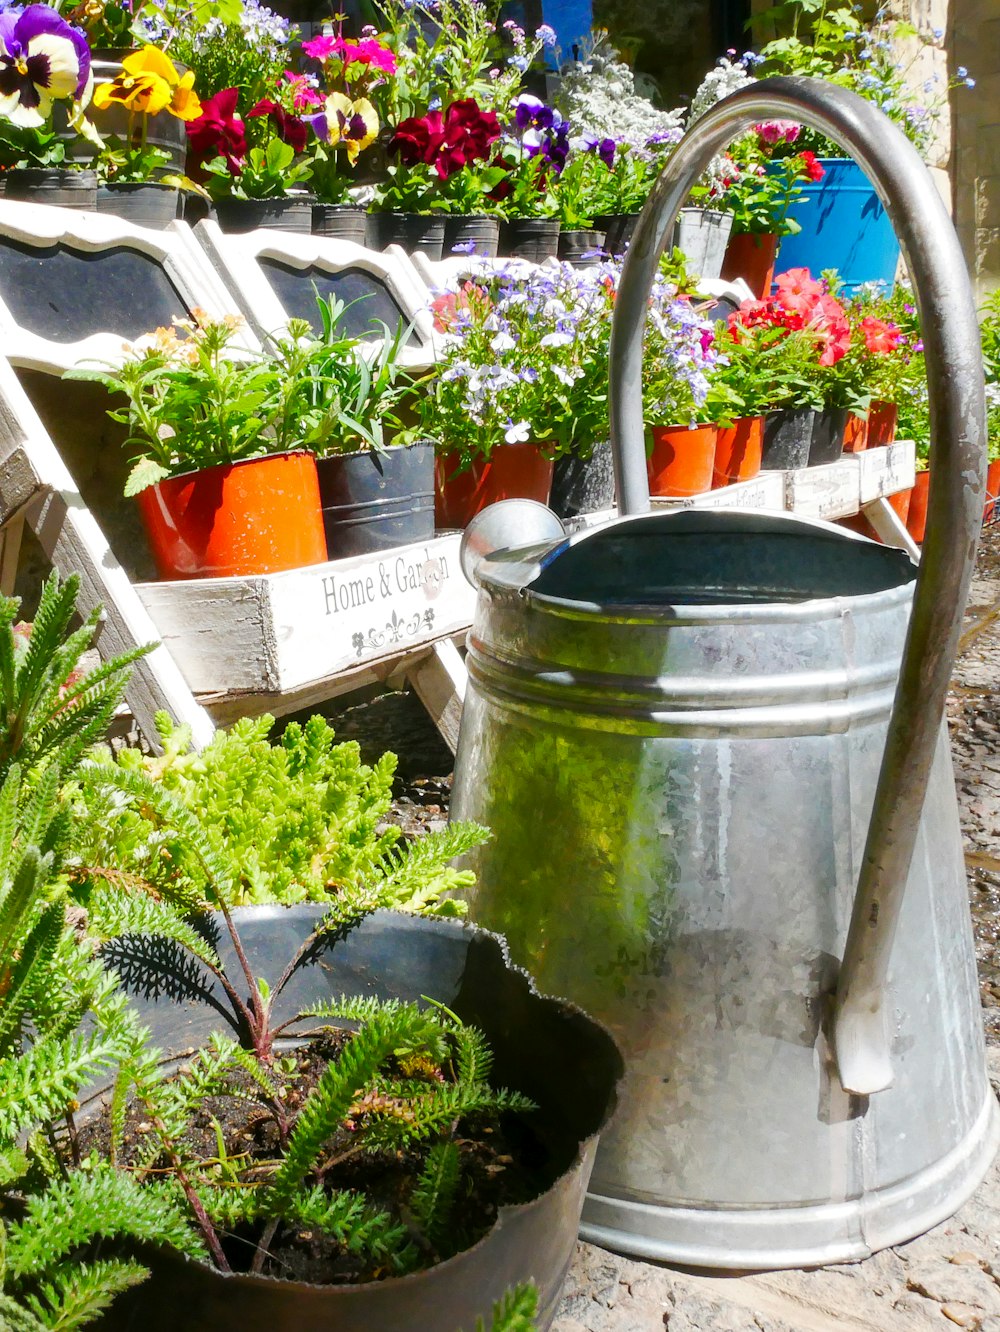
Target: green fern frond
(31,971)
(393,1126)
(18,902)
(9,796)
(349,1219)
(329,1102)
(515,1312)
(433,1196)
(73,1294)
(92,1203)
(113,915)
(222,874)
(473,1056)
(352,1008)
(44,1079)
(14,1317)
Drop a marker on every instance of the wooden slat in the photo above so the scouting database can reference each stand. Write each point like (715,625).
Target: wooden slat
(883,471)
(439,681)
(73,541)
(281,633)
(830,491)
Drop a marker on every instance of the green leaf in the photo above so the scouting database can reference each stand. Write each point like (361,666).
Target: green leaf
(146,472)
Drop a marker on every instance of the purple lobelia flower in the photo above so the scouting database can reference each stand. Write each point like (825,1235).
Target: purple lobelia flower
(42,60)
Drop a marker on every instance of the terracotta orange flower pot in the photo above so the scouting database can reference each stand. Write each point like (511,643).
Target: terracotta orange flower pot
(901,503)
(751,257)
(252,517)
(682,460)
(514,471)
(737,451)
(916,519)
(856,434)
(881,424)
(992,491)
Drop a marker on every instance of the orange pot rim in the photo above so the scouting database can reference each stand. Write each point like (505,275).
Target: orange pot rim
(231,466)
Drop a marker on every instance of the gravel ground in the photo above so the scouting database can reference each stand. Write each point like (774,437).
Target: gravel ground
(947,1278)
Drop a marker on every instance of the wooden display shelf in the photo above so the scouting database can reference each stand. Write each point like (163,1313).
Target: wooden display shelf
(289,634)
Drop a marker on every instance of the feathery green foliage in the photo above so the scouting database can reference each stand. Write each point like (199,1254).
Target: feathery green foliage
(49,707)
(293,820)
(515,1312)
(433,1196)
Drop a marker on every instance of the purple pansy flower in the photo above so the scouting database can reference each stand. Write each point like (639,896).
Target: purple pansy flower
(42,59)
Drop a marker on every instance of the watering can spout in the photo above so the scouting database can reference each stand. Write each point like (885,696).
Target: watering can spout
(506,525)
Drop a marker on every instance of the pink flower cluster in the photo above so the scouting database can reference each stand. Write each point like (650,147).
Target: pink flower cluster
(800,303)
(368,51)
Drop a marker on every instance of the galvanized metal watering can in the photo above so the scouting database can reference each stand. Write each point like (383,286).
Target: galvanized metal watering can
(711,749)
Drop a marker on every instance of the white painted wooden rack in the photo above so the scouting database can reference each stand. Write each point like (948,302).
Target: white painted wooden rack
(280,642)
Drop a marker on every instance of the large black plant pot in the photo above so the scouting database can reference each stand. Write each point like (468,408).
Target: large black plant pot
(583,485)
(376,501)
(543,1047)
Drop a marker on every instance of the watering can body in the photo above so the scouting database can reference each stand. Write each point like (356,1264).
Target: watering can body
(674,727)
(711,749)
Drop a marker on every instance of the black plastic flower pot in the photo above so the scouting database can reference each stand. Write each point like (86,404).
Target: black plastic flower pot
(618,229)
(473,233)
(146,205)
(532,238)
(347,222)
(829,428)
(59,187)
(413,231)
(289,214)
(787,439)
(581,248)
(375,501)
(583,485)
(545,1048)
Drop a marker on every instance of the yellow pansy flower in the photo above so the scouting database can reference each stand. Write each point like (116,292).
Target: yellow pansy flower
(354,125)
(150,83)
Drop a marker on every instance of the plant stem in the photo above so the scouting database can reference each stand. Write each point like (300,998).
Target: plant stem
(263,1244)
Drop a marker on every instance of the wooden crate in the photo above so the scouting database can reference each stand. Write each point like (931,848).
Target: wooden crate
(284,633)
(884,471)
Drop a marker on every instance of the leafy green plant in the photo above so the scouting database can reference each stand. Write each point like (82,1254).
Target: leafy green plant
(50,707)
(50,711)
(292,821)
(194,402)
(404,1082)
(348,397)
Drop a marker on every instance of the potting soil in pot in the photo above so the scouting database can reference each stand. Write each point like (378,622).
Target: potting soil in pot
(502,1164)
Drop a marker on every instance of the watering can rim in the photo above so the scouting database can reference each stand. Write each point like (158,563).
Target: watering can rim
(514,569)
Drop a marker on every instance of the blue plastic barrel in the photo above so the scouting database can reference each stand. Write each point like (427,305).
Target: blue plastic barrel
(844,226)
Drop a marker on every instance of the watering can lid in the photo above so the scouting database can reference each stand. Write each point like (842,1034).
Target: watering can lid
(563,566)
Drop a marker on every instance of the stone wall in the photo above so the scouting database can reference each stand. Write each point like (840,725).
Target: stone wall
(974,43)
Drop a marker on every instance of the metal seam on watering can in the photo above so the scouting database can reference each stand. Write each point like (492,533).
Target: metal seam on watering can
(700,875)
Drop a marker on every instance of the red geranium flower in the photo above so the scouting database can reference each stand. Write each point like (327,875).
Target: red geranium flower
(218,130)
(811,167)
(880,337)
(289,129)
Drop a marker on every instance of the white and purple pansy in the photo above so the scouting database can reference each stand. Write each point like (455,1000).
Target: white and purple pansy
(42,60)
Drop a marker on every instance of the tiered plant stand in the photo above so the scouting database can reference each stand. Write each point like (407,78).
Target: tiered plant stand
(277,642)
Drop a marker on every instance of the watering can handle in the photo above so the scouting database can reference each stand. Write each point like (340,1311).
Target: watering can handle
(955,507)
